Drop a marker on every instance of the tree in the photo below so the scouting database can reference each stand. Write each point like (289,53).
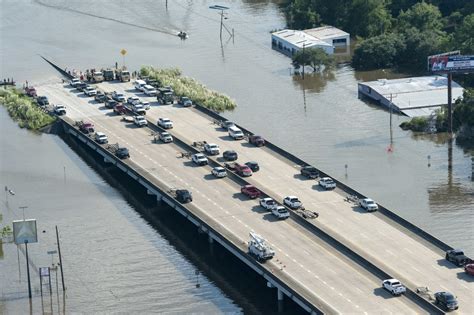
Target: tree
(368,18)
(300,14)
(464,36)
(378,52)
(463,117)
(422,16)
(316,58)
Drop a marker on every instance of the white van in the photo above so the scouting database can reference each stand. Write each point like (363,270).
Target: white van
(149,90)
(139,84)
(235,133)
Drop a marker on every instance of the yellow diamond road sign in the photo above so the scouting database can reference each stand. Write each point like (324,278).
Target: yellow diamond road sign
(123,52)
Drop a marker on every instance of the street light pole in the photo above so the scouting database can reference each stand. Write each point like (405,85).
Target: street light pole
(60,259)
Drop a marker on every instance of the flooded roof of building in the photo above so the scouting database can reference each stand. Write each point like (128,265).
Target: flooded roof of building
(326,32)
(299,38)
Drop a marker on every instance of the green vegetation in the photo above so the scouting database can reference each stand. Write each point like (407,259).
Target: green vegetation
(184,86)
(463,118)
(399,34)
(418,124)
(24,110)
(316,58)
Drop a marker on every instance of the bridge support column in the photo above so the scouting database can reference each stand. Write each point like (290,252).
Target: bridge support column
(211,245)
(280,300)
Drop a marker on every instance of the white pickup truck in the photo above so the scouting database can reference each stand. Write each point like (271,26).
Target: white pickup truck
(292,202)
(280,212)
(394,286)
(60,110)
(327,183)
(268,203)
(140,121)
(138,109)
(368,204)
(211,149)
(165,123)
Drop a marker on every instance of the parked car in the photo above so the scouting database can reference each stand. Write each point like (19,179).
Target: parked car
(327,183)
(393,286)
(138,109)
(309,172)
(368,204)
(90,91)
(140,121)
(145,104)
(446,300)
(457,257)
(280,212)
(149,90)
(253,166)
(100,97)
(230,155)
(250,191)
(184,196)
(292,202)
(86,127)
(185,101)
(199,159)
(268,203)
(139,84)
(101,137)
(227,124)
(119,109)
(133,100)
(42,101)
(119,97)
(31,91)
(469,268)
(257,140)
(74,82)
(166,137)
(165,123)
(111,103)
(242,170)
(211,148)
(219,172)
(60,110)
(81,86)
(235,133)
(122,153)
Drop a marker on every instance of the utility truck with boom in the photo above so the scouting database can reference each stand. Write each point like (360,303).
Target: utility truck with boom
(259,248)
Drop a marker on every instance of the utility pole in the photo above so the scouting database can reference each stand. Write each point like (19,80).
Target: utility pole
(28,269)
(304,44)
(23,208)
(60,258)
(450,106)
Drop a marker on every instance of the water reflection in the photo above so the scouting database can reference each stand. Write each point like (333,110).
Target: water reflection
(313,82)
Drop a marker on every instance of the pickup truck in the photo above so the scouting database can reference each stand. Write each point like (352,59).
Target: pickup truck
(74,82)
(138,109)
(140,121)
(133,100)
(42,101)
(219,172)
(86,127)
(90,91)
(122,153)
(280,212)
(100,97)
(211,148)
(327,183)
(250,191)
(185,101)
(393,286)
(268,203)
(257,140)
(60,110)
(199,159)
(166,137)
(119,97)
(368,204)
(165,123)
(101,138)
(292,202)
(309,172)
(119,109)
(457,257)
(242,170)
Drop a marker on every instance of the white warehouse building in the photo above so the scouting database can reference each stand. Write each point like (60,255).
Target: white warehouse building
(325,37)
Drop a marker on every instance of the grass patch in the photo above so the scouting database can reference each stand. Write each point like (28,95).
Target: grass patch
(185,86)
(418,124)
(24,110)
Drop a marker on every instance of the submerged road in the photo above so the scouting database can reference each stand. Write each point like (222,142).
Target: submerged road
(308,264)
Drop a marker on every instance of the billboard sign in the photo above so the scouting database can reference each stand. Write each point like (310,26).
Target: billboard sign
(456,63)
(24,231)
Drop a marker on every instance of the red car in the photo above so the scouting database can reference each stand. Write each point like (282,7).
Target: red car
(469,268)
(242,170)
(30,91)
(251,191)
(119,109)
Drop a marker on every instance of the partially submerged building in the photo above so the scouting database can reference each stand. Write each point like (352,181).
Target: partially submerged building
(326,37)
(413,97)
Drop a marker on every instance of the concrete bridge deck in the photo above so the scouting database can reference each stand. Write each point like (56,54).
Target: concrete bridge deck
(309,263)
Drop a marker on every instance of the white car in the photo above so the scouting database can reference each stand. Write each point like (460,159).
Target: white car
(199,159)
(149,90)
(101,137)
(145,104)
(60,110)
(119,97)
(212,149)
(90,91)
(368,204)
(166,137)
(268,203)
(327,183)
(140,121)
(74,82)
(394,286)
(292,202)
(219,172)
(165,123)
(133,100)
(280,212)
(139,84)
(138,109)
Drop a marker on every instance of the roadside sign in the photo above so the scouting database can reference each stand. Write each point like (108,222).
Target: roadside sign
(52,252)
(44,271)
(24,231)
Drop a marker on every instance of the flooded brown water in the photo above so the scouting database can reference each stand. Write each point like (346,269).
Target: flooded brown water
(319,119)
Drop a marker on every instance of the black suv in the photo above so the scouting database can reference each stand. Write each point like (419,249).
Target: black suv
(253,166)
(457,257)
(309,171)
(446,300)
(122,153)
(230,155)
(42,101)
(183,196)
